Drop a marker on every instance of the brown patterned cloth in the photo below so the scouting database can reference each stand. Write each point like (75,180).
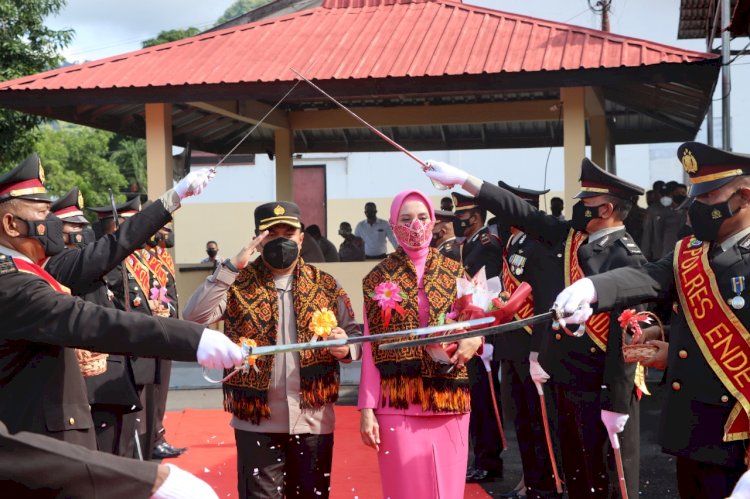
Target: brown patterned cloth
(409,375)
(252,312)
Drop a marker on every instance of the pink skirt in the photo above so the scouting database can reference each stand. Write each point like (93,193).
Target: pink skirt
(423,457)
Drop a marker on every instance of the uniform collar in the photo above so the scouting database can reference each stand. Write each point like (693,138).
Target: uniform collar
(734,239)
(603,232)
(13,253)
(451,240)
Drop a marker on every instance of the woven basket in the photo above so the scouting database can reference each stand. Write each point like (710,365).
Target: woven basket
(641,352)
(91,363)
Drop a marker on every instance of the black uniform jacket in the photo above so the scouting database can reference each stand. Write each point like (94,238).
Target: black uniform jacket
(697,404)
(40,467)
(84,271)
(482,249)
(574,362)
(533,263)
(41,388)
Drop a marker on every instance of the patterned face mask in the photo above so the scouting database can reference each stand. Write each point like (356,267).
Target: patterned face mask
(417,234)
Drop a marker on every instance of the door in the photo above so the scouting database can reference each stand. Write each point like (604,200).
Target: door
(309,184)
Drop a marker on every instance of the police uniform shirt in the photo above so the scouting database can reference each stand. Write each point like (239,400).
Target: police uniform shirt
(482,249)
(450,248)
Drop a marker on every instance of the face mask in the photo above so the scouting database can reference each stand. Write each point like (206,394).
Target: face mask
(460,226)
(80,239)
(583,214)
(212,253)
(679,198)
(666,201)
(154,240)
(706,219)
(281,253)
(168,240)
(414,235)
(345,233)
(49,232)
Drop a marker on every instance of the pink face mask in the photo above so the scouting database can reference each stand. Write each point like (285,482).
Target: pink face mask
(415,235)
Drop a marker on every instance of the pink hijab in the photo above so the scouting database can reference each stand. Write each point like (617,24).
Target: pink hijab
(417,255)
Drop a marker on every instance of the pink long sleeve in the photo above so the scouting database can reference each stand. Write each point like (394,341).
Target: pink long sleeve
(369,381)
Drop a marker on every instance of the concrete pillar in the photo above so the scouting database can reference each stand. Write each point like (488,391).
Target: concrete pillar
(574,140)
(599,136)
(159,163)
(284,145)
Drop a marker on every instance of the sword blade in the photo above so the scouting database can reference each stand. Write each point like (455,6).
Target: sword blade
(502,328)
(316,345)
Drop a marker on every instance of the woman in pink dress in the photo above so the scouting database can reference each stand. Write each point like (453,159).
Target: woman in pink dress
(414,410)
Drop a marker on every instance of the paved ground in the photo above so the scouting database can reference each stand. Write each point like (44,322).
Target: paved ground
(657,469)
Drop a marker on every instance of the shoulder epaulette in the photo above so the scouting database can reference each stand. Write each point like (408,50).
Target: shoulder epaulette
(630,245)
(744,243)
(7,265)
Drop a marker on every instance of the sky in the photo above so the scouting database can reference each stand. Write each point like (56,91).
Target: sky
(105,29)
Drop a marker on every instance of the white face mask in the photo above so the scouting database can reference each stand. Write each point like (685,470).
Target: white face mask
(666,201)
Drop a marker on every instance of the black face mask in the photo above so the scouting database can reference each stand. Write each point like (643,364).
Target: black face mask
(168,240)
(345,233)
(679,198)
(80,239)
(583,214)
(281,253)
(460,226)
(49,232)
(706,219)
(212,253)
(154,240)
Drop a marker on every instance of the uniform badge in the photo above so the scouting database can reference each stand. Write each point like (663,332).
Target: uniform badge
(485,238)
(137,301)
(738,286)
(7,265)
(279,210)
(689,163)
(41,229)
(695,243)
(80,199)
(41,172)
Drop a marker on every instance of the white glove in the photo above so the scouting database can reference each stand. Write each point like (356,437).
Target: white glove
(538,374)
(742,489)
(487,356)
(445,174)
(574,301)
(182,485)
(614,421)
(194,182)
(216,351)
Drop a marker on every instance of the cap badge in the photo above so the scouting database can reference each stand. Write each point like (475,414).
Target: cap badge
(279,210)
(41,173)
(80,199)
(689,163)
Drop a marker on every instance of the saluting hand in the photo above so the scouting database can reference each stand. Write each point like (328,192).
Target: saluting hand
(240,261)
(342,351)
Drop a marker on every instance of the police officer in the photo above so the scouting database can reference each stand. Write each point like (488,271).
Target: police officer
(705,422)
(42,388)
(588,377)
(527,260)
(443,237)
(480,248)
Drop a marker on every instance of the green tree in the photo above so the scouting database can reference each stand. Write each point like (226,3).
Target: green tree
(27,46)
(129,155)
(239,7)
(74,155)
(170,35)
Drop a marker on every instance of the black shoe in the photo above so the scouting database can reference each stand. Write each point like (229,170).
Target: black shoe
(165,451)
(176,449)
(513,494)
(480,476)
(470,472)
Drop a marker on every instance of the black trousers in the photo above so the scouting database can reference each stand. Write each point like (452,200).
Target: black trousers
(587,455)
(277,465)
(146,418)
(161,391)
(697,480)
(483,431)
(115,431)
(523,406)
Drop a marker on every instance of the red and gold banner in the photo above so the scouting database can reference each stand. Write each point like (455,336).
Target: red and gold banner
(510,284)
(166,258)
(31,268)
(597,327)
(155,267)
(140,271)
(721,336)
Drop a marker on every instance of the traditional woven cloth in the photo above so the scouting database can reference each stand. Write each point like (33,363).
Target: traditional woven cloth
(253,312)
(409,375)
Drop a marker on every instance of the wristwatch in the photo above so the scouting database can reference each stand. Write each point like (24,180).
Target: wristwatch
(228,264)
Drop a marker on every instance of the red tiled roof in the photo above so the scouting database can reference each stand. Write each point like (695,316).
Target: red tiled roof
(359,39)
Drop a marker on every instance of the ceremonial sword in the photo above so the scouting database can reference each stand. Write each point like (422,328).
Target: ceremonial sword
(248,351)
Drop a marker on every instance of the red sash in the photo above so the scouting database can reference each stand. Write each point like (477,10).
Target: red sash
(31,268)
(510,284)
(597,327)
(140,271)
(166,258)
(155,267)
(723,339)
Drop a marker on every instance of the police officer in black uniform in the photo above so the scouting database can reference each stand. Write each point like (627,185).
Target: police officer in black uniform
(701,395)
(527,260)
(589,384)
(480,248)
(41,387)
(443,238)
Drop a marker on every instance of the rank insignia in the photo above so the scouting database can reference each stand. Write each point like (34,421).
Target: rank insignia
(689,163)
(715,214)
(7,265)
(695,243)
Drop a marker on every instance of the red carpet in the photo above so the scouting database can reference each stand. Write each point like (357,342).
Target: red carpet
(212,455)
